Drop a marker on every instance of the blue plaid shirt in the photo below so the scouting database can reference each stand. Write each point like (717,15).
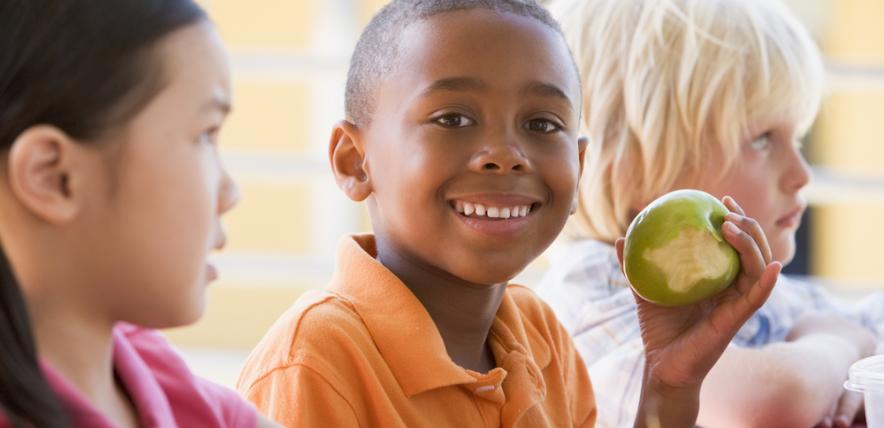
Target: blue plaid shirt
(592,299)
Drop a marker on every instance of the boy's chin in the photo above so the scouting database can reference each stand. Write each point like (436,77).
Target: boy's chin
(486,276)
(784,251)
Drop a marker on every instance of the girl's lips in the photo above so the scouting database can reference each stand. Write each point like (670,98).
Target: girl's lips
(211,273)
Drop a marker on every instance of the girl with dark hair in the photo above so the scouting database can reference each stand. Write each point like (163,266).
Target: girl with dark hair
(111,191)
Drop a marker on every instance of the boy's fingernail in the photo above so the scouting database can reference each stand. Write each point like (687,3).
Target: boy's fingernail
(732,228)
(732,216)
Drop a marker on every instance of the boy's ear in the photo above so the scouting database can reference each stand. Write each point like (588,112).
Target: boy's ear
(582,143)
(39,169)
(346,152)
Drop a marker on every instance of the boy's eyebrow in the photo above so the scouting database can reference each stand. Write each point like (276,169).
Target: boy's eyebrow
(454,84)
(218,103)
(546,90)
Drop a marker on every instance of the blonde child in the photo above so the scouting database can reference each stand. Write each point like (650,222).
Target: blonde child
(461,136)
(111,192)
(714,95)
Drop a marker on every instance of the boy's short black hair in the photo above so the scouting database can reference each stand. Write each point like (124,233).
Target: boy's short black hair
(376,51)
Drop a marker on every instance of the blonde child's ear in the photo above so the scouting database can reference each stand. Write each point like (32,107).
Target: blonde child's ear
(582,143)
(40,169)
(347,156)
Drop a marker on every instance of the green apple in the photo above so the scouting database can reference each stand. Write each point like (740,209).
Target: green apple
(675,253)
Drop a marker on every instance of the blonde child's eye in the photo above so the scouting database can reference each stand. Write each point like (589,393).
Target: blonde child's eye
(209,136)
(543,126)
(761,143)
(454,120)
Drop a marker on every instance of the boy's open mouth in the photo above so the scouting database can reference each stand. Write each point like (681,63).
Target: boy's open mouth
(486,211)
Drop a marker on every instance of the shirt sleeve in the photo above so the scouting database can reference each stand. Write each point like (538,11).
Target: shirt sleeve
(298,396)
(193,400)
(235,411)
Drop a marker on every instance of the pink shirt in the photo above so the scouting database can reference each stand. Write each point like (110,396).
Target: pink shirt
(163,390)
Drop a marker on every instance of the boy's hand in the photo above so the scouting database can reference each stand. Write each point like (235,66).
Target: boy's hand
(835,325)
(683,343)
(849,404)
(845,412)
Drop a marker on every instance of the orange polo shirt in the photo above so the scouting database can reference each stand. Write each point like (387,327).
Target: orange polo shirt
(365,352)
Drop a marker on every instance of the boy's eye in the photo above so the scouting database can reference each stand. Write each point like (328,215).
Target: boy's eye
(454,120)
(761,143)
(544,126)
(209,136)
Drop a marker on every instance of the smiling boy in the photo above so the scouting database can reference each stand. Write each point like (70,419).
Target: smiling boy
(461,136)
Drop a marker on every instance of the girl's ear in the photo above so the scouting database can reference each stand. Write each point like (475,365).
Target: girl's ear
(40,172)
(346,153)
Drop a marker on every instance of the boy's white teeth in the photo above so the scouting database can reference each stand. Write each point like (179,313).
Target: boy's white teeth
(480,210)
(468,208)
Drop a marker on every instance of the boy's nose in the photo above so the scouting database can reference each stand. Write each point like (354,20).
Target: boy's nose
(499,166)
(798,172)
(501,158)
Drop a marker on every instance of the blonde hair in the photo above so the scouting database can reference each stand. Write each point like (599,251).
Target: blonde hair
(669,84)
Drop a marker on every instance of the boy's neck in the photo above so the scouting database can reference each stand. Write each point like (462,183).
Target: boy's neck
(462,311)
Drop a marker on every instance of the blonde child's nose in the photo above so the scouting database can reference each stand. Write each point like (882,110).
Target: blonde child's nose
(798,173)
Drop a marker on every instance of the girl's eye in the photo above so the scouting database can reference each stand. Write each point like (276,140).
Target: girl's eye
(544,126)
(454,120)
(762,143)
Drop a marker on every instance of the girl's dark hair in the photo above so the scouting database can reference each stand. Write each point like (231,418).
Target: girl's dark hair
(84,67)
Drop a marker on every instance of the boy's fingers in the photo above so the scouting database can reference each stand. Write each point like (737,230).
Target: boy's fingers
(750,255)
(750,226)
(761,290)
(848,406)
(732,205)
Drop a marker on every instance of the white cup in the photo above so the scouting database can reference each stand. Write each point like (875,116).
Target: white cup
(867,376)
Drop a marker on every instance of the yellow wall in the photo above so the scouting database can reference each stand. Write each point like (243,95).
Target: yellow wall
(855,32)
(264,24)
(847,236)
(268,117)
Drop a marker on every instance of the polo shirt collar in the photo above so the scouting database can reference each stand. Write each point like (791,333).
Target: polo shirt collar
(403,330)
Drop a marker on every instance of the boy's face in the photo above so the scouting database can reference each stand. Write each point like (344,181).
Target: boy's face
(766,179)
(478,120)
